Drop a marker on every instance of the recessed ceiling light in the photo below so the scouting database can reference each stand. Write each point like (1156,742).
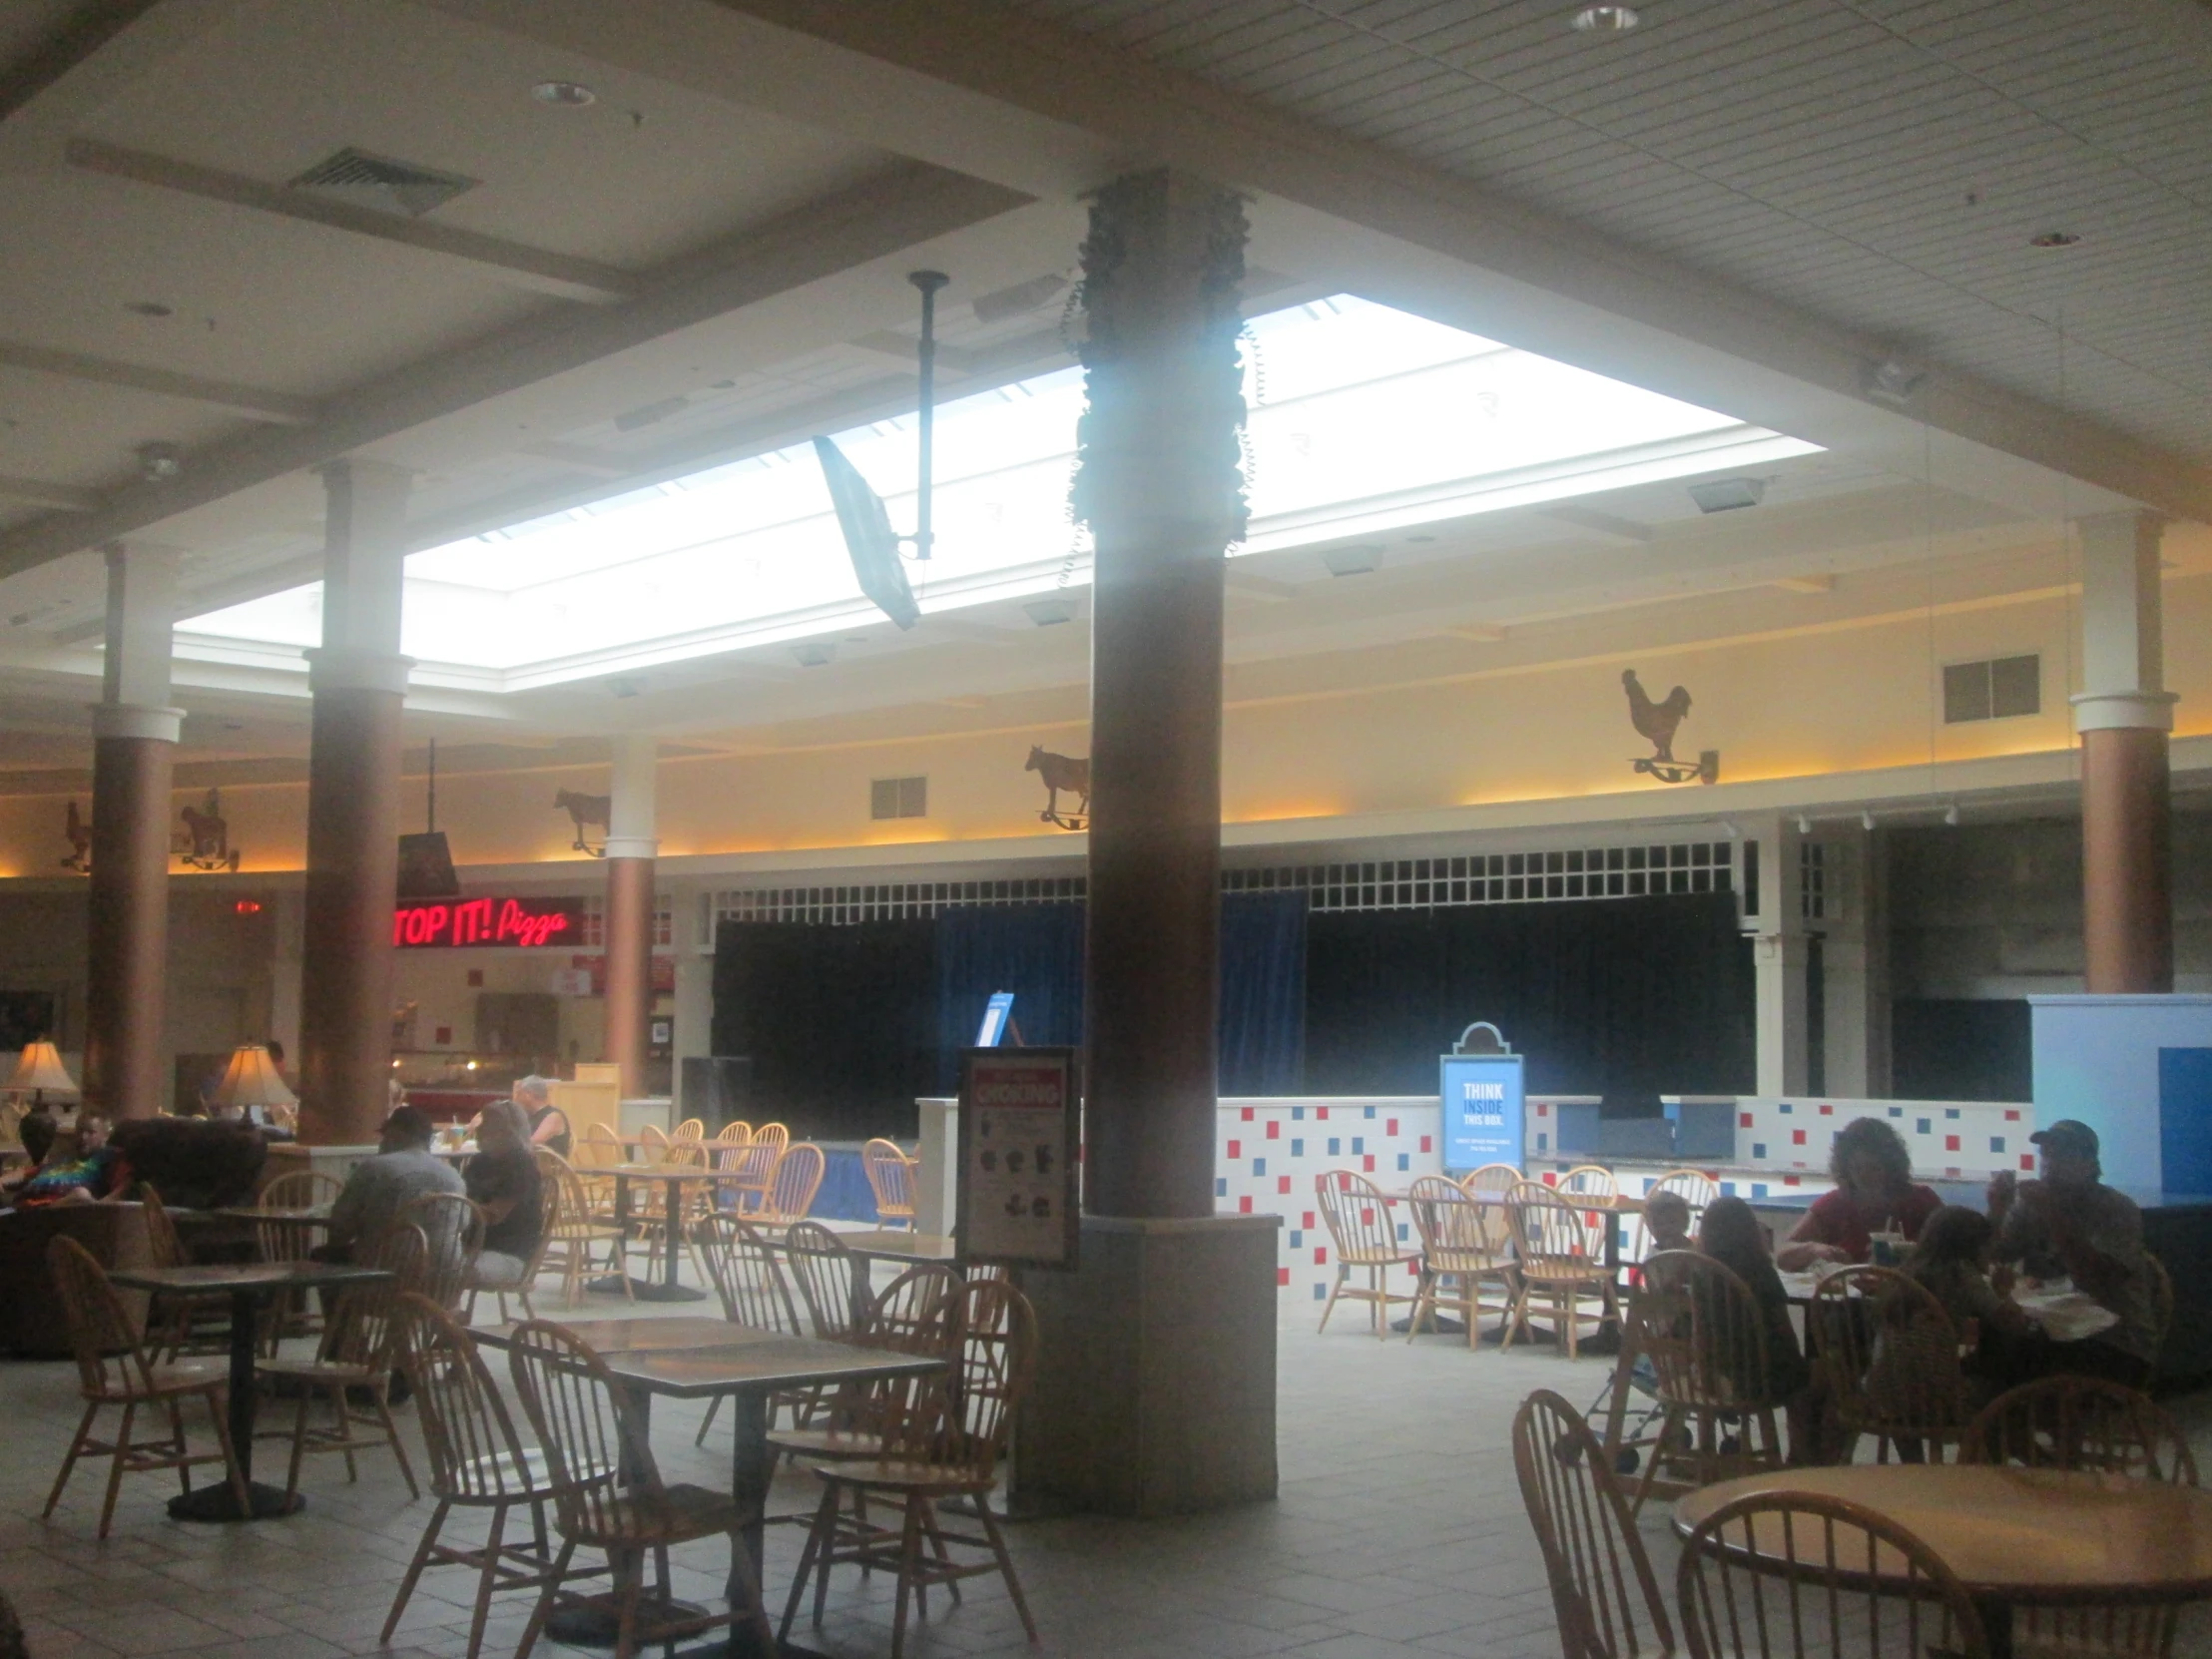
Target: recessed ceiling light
(1606,20)
(1353,561)
(1722,495)
(814,654)
(1050,613)
(571,95)
(2054,239)
(151,308)
(160,462)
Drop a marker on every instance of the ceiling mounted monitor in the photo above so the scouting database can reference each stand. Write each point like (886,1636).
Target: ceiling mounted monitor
(869,537)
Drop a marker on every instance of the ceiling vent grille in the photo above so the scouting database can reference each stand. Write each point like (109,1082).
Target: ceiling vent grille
(380,182)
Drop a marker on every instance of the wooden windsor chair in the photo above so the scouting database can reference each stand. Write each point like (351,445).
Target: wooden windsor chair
(1702,1330)
(292,1312)
(577,1230)
(1365,1241)
(916,1314)
(1693,1185)
(691,1130)
(792,1187)
(1560,1258)
(608,1495)
(1890,1354)
(1790,1574)
(948,1444)
(734,1133)
(116,1368)
(753,1169)
(501,1283)
(1590,1181)
(1467,1239)
(890,1178)
(749,1279)
(1603,1590)
(175,1324)
(2080,1422)
(453,1229)
(477,1462)
(828,1277)
(1492,1182)
(359,1351)
(653,1142)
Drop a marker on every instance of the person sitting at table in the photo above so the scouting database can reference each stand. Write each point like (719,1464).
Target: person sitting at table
(504,1180)
(1731,1234)
(1667,1221)
(403,1169)
(95,1173)
(2070,1225)
(1874,1193)
(1951,1262)
(37,1131)
(548,1123)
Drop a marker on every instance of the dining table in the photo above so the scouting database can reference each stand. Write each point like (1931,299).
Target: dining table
(671,1179)
(251,1286)
(706,1359)
(2015,1538)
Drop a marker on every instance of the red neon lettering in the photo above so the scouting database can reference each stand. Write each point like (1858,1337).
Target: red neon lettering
(477,921)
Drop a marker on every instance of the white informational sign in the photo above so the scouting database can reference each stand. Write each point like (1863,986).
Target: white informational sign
(1019,1158)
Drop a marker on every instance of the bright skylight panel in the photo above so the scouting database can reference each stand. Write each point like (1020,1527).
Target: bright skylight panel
(1362,418)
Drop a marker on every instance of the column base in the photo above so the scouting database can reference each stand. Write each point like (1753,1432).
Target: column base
(1155,1384)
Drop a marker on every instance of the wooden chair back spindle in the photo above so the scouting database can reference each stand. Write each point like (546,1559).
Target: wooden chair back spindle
(890,1178)
(823,1271)
(747,1275)
(1603,1590)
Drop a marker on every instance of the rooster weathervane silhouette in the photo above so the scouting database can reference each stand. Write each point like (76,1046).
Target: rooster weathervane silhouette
(1658,722)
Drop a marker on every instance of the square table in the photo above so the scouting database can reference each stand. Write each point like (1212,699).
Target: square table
(699,1359)
(250,1285)
(671,1178)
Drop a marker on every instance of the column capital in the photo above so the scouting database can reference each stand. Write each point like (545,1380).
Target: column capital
(137,720)
(338,669)
(633,846)
(2113,711)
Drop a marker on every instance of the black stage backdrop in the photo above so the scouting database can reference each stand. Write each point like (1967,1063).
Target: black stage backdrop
(841,1023)
(1615,996)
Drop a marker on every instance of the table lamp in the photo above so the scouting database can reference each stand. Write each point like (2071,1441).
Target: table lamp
(38,1072)
(251,1079)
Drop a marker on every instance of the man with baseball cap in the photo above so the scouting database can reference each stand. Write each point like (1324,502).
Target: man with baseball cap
(2069,1225)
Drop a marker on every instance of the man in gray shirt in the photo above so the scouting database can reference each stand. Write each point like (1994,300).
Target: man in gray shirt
(403,1169)
(2069,1224)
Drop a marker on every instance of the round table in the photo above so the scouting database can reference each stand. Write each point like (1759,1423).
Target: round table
(2015,1536)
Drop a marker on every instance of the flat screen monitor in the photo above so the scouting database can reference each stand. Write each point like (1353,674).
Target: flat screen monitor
(992,1031)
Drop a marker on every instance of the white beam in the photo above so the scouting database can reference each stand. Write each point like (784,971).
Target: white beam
(277,407)
(1604,525)
(875,220)
(528,267)
(62,498)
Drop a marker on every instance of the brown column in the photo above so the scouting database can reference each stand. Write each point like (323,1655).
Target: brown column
(1158,485)
(629,967)
(631,850)
(2126,860)
(2124,713)
(126,1063)
(346,979)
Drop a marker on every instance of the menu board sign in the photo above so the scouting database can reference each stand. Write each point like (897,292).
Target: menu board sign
(1019,1186)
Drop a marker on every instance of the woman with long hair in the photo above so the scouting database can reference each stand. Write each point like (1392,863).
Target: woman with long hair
(1874,1193)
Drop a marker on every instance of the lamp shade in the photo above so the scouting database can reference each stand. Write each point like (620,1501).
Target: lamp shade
(251,1079)
(40,1069)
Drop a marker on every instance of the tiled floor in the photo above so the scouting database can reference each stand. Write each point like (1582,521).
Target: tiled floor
(1398,1535)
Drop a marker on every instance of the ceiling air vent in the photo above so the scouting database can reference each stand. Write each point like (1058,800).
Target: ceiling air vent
(380,182)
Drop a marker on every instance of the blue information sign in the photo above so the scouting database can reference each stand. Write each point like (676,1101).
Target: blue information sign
(1484,1109)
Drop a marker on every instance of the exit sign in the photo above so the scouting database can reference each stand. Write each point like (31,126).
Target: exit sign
(477,923)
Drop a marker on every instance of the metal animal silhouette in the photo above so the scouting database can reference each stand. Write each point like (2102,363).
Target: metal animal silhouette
(587,811)
(79,832)
(1063,772)
(206,843)
(1658,722)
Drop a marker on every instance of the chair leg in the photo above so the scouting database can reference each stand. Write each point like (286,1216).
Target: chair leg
(399,1447)
(177,1433)
(1667,1426)
(1334,1290)
(708,1421)
(741,1566)
(116,1462)
(1005,1562)
(1516,1311)
(826,1520)
(76,1451)
(909,1557)
(299,1443)
(630,1581)
(484,1585)
(546,1596)
(414,1570)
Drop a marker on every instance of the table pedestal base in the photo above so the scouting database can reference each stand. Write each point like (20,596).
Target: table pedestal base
(220,1503)
(646,1290)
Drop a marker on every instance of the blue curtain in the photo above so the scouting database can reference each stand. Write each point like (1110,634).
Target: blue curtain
(1033,951)
(1036,952)
(1263,994)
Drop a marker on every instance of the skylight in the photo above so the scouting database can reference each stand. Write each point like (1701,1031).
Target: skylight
(1362,420)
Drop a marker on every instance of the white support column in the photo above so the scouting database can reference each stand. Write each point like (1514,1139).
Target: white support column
(1854,957)
(631,846)
(695,991)
(1778,957)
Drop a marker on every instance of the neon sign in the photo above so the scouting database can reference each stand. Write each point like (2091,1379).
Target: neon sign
(474,924)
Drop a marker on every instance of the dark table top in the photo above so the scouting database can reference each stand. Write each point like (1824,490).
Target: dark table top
(890,1244)
(245,1276)
(722,1359)
(304,1215)
(655,1172)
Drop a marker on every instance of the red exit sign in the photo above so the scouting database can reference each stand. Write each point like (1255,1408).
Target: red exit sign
(477,922)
